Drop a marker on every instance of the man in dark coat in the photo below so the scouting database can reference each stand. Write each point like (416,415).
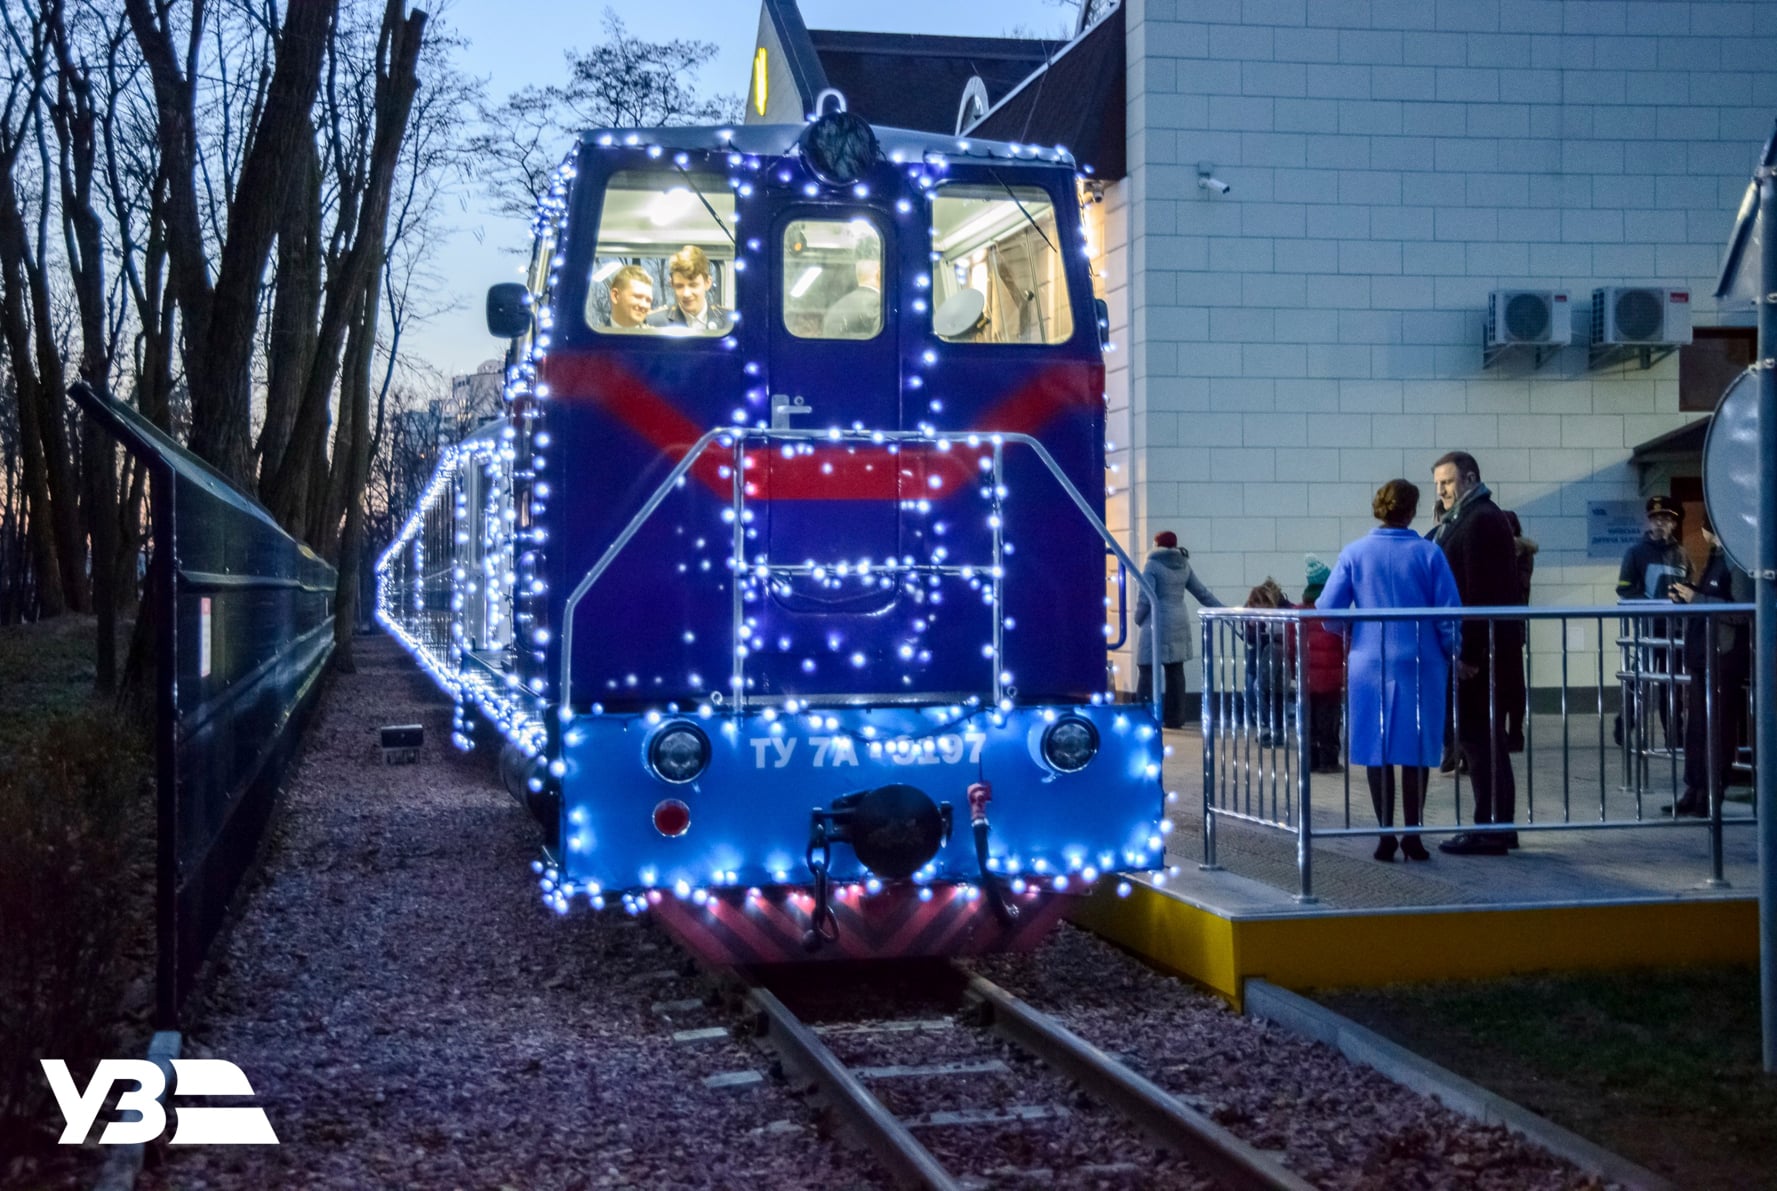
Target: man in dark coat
(1478,543)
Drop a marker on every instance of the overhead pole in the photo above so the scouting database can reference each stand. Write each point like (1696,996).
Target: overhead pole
(1765,631)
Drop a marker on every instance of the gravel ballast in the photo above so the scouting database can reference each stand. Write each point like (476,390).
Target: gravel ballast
(411,1015)
(1335,1123)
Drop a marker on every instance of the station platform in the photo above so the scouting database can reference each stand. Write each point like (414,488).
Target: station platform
(1565,900)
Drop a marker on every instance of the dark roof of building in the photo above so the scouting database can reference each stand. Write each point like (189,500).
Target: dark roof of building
(1688,439)
(916,81)
(1076,100)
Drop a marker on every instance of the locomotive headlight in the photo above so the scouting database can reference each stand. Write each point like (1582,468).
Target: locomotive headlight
(1069,743)
(679,752)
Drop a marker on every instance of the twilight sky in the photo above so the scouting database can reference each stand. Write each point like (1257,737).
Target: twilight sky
(515,42)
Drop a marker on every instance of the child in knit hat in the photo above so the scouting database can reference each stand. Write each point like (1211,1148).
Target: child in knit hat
(1326,677)
(1318,573)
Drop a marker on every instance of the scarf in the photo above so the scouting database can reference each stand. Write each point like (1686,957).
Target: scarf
(1454,511)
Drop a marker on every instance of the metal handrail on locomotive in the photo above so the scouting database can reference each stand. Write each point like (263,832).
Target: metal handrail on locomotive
(787,555)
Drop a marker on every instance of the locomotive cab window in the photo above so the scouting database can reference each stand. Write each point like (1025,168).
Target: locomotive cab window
(832,279)
(664,262)
(997,275)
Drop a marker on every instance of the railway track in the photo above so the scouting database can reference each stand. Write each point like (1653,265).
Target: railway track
(955,1083)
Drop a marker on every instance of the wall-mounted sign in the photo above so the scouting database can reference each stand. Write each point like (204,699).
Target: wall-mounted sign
(1612,526)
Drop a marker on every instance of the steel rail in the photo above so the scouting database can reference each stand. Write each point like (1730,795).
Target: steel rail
(1165,1118)
(908,1161)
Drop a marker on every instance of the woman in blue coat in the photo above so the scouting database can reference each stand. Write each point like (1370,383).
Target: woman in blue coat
(1399,671)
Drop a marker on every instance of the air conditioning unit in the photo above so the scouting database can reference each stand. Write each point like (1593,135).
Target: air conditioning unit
(1520,321)
(1640,316)
(1539,316)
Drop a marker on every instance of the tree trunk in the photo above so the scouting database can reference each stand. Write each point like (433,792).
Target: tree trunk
(100,458)
(295,308)
(219,321)
(398,48)
(15,325)
(59,472)
(351,467)
(76,127)
(129,538)
(136,692)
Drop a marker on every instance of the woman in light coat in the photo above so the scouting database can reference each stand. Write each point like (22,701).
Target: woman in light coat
(1168,569)
(1399,671)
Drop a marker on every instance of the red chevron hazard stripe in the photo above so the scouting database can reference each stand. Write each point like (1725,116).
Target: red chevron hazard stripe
(821,471)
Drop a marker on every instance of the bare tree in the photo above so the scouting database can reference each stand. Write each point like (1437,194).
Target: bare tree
(218,319)
(623,82)
(75,119)
(363,168)
(27,321)
(174,179)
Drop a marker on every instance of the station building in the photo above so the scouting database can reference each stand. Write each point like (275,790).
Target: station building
(1341,237)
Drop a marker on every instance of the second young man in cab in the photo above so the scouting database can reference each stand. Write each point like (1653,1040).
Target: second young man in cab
(692,309)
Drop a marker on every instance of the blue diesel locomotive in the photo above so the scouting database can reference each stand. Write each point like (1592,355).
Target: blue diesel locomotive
(787,558)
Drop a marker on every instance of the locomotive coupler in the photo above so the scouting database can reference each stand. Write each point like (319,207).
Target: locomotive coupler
(895,830)
(822,926)
(980,794)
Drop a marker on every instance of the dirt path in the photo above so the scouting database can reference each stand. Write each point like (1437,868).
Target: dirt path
(412,1016)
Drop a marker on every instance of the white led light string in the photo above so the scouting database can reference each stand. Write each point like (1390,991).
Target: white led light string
(520,708)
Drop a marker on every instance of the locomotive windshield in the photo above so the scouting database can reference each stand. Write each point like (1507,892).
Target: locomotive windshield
(664,262)
(832,278)
(998,276)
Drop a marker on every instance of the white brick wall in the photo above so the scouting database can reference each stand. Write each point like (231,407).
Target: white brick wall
(1294,343)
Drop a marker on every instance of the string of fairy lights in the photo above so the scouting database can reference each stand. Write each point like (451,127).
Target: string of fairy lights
(508,561)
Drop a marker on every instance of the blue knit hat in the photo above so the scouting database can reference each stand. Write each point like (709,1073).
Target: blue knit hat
(1317,571)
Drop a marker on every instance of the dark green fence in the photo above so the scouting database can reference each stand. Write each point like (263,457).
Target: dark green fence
(243,624)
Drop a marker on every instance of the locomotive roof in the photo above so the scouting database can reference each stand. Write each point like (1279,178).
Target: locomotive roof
(779,140)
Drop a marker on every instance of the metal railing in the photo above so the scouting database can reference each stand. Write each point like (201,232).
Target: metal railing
(1258,711)
(737,439)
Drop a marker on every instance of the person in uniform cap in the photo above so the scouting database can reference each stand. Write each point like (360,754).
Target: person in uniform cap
(1650,567)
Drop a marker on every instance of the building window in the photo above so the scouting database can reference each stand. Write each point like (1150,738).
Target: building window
(1710,362)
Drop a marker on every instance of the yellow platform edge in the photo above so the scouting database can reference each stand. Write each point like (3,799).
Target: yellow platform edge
(1328,949)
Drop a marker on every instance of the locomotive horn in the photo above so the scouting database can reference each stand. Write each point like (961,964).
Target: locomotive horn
(839,146)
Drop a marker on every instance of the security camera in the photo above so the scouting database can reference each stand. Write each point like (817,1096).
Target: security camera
(1211,182)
